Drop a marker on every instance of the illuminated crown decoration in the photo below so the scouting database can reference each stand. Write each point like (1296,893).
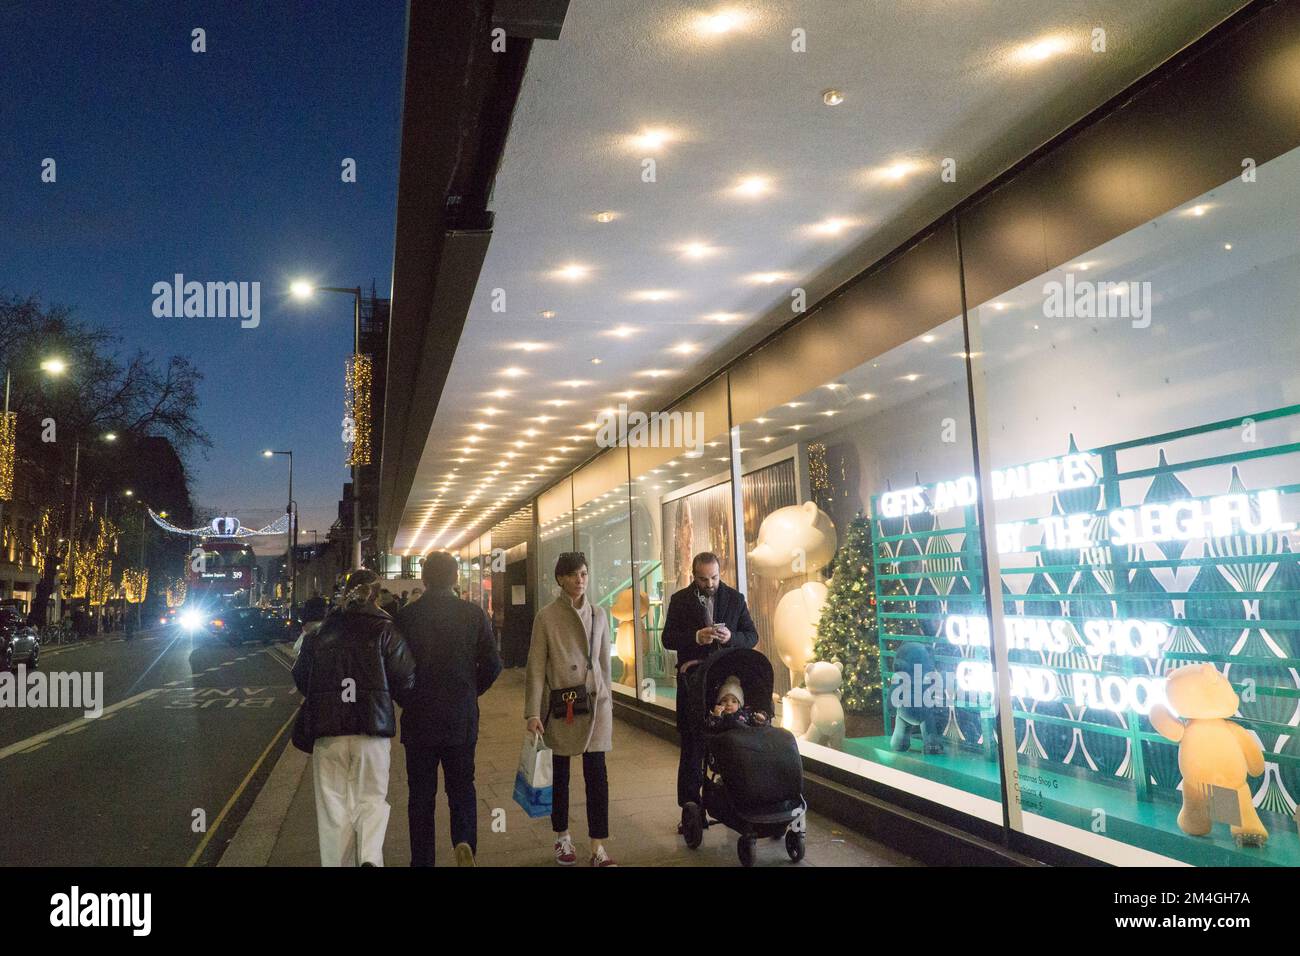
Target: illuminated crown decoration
(223,527)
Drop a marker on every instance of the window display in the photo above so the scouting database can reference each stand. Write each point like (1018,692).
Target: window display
(682,503)
(603,529)
(555,535)
(850,596)
(1150,579)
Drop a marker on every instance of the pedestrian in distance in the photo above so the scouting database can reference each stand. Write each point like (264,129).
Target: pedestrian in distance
(456,662)
(568,700)
(350,672)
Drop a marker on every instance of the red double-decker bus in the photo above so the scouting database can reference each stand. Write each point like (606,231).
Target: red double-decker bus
(224,576)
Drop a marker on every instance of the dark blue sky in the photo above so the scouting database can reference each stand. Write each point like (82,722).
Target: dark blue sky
(223,166)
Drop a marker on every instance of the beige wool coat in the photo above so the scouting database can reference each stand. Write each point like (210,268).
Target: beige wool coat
(556,658)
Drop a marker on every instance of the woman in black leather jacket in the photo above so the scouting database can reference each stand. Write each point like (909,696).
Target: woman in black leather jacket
(350,672)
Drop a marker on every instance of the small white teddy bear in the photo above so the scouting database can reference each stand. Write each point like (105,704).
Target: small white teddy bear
(826,722)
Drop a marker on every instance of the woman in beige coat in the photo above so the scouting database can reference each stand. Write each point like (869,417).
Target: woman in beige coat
(570,648)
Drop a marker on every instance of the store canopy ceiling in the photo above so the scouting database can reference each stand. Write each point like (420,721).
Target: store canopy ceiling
(674,170)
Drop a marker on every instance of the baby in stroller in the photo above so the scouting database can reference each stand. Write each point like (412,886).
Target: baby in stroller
(730,710)
(753,774)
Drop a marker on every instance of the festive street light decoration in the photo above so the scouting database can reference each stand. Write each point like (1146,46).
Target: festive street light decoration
(357,420)
(135,584)
(228,527)
(8,444)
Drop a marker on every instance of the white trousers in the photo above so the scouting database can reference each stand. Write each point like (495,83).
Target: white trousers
(351,777)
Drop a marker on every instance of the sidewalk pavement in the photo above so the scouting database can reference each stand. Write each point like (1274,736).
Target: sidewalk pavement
(280,828)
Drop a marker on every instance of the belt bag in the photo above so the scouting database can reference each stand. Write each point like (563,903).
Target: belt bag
(568,701)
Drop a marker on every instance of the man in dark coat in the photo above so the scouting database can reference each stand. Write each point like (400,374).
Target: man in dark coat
(703,618)
(456,661)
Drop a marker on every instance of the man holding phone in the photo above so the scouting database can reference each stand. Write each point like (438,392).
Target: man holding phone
(703,618)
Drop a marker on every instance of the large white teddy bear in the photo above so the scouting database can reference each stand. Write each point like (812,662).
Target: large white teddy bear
(826,721)
(793,541)
(794,626)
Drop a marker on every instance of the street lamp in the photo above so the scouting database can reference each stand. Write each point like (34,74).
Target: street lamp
(304,290)
(293,533)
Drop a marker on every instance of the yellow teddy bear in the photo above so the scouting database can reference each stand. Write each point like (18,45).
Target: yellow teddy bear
(1212,750)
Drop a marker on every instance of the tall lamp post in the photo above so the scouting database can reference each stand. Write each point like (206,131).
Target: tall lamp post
(293,534)
(304,290)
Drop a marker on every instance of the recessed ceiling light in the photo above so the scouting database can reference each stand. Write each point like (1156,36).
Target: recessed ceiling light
(896,171)
(913,376)
(605,216)
(1042,49)
(654,372)
(490,411)
(751,187)
(927,339)
(595,361)
(722,316)
(548,313)
(696,250)
(867,396)
(1227,246)
(575,383)
(653,295)
(620,331)
(685,348)
(513,371)
(832,97)
(762,421)
(572,272)
(650,139)
(832,226)
(767,278)
(530,346)
(720,22)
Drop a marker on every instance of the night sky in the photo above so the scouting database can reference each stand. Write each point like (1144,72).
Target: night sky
(223,166)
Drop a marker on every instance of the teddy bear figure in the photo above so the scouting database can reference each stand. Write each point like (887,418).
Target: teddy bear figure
(793,541)
(916,692)
(1212,750)
(826,719)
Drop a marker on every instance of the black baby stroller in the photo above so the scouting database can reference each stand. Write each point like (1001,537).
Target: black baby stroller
(753,775)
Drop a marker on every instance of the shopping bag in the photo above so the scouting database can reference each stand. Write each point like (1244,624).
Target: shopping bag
(533,779)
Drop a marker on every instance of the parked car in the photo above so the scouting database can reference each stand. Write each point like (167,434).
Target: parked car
(19,643)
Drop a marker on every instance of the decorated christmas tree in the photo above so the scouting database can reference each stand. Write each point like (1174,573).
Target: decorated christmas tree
(848,630)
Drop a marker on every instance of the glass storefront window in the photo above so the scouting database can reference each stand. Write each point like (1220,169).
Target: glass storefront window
(603,527)
(1143,421)
(682,504)
(855,561)
(555,536)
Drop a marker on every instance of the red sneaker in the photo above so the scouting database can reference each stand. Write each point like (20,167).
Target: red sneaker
(601,858)
(565,854)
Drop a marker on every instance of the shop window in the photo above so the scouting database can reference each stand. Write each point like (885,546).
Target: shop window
(1145,434)
(853,566)
(603,526)
(682,504)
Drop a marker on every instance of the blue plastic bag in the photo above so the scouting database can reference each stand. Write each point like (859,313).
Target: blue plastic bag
(533,779)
